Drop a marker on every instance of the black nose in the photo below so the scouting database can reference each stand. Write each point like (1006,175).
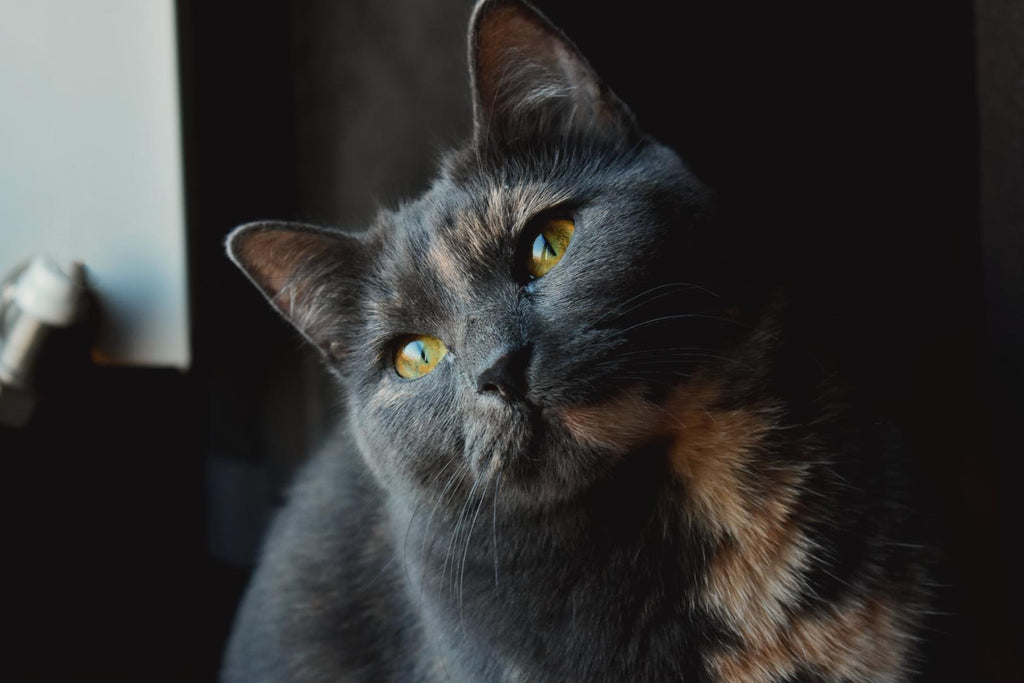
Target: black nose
(506,376)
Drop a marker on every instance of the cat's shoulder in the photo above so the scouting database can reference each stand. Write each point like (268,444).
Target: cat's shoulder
(327,561)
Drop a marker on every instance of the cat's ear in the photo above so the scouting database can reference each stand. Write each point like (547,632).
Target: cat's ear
(527,76)
(308,274)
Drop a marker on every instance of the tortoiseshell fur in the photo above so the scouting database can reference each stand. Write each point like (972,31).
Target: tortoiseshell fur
(685,492)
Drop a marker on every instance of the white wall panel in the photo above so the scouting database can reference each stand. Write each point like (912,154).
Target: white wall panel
(90,161)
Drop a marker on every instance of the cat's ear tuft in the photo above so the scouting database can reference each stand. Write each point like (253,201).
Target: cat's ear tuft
(528,77)
(308,274)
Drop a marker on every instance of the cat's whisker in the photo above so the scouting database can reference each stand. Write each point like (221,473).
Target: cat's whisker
(416,510)
(620,311)
(673,353)
(617,311)
(639,372)
(453,541)
(668,349)
(616,361)
(494,525)
(612,333)
(465,552)
(427,548)
(678,316)
(670,358)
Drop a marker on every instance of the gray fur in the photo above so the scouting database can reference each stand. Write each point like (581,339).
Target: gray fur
(464,537)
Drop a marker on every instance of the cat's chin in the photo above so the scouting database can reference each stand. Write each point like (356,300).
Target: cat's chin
(550,454)
(503,439)
(522,449)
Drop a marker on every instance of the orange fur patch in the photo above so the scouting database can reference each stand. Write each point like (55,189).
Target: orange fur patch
(755,574)
(860,639)
(753,584)
(711,453)
(448,267)
(621,423)
(754,577)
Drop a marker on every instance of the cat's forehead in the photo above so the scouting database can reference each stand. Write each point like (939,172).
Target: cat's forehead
(453,228)
(460,238)
(450,248)
(485,212)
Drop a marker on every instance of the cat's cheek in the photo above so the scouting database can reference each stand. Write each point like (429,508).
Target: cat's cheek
(620,423)
(404,425)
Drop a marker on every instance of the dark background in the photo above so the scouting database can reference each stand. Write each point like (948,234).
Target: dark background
(877,150)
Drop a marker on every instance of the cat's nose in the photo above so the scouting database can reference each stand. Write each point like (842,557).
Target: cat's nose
(507,376)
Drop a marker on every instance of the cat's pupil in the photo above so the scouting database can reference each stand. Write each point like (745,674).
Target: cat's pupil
(549,245)
(542,248)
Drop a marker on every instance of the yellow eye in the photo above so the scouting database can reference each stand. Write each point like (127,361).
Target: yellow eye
(418,354)
(548,246)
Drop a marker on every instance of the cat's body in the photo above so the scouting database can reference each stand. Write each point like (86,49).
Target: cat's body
(631,466)
(623,584)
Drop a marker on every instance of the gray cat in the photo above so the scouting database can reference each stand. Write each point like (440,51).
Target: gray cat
(588,450)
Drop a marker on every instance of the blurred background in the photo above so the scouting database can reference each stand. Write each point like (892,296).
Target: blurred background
(878,151)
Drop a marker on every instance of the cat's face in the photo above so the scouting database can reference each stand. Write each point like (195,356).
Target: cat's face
(524,317)
(524,356)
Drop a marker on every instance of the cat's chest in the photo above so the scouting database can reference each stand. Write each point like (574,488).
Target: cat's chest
(543,613)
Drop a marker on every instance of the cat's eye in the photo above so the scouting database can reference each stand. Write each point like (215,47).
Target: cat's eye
(418,354)
(548,245)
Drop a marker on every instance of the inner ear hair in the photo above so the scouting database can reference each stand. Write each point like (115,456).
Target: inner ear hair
(306,273)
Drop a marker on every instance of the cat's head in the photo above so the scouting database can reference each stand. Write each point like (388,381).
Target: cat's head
(525,316)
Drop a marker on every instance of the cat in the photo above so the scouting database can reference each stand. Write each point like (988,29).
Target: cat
(582,441)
